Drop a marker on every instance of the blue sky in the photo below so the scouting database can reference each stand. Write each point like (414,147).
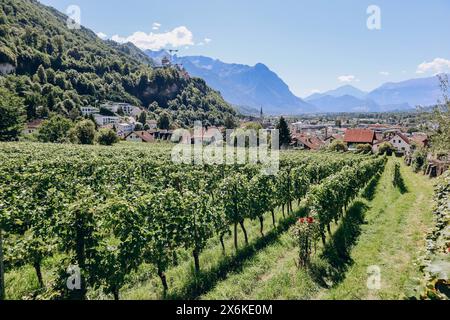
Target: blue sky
(312,45)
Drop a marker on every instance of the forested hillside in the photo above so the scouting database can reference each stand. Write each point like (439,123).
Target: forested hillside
(58,70)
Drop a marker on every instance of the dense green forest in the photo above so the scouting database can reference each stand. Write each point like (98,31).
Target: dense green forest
(59,70)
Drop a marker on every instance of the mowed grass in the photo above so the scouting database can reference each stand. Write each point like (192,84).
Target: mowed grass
(393,239)
(383,227)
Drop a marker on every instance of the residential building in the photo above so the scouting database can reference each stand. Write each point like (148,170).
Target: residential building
(401,143)
(88,110)
(353,137)
(115,106)
(32,127)
(140,136)
(123,129)
(104,120)
(420,140)
(306,142)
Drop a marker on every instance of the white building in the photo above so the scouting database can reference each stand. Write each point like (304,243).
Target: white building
(115,106)
(401,143)
(124,129)
(104,120)
(88,110)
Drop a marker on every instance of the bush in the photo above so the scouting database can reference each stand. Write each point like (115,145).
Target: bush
(338,145)
(83,132)
(419,159)
(364,148)
(386,148)
(55,130)
(107,137)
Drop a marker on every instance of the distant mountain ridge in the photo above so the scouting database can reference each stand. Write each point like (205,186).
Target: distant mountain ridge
(242,85)
(399,96)
(250,88)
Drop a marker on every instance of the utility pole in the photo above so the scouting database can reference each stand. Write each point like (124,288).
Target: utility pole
(2,269)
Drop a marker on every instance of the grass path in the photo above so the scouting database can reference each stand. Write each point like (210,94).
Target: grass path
(393,238)
(387,230)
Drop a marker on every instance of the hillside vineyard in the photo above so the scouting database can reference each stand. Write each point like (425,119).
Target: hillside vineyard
(110,210)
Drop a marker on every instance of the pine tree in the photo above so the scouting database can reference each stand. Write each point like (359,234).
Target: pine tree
(42,75)
(285,133)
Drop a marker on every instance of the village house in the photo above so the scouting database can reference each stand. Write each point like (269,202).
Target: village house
(140,136)
(354,137)
(333,137)
(306,142)
(88,110)
(207,136)
(32,127)
(421,140)
(123,129)
(400,142)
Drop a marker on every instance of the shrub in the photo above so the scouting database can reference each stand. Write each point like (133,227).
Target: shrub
(338,145)
(56,130)
(107,137)
(83,132)
(364,148)
(386,148)
(419,159)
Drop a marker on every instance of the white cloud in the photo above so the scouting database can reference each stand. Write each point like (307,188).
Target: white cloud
(314,91)
(438,65)
(207,40)
(178,37)
(201,43)
(384,73)
(156,26)
(348,78)
(102,35)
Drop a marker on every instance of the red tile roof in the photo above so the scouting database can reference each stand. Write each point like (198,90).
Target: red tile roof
(34,124)
(420,139)
(359,136)
(313,143)
(144,135)
(405,138)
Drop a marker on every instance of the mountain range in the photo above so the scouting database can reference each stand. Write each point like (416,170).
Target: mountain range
(251,88)
(247,87)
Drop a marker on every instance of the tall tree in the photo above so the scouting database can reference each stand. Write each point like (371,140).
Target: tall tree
(285,133)
(42,75)
(143,118)
(12,115)
(164,121)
